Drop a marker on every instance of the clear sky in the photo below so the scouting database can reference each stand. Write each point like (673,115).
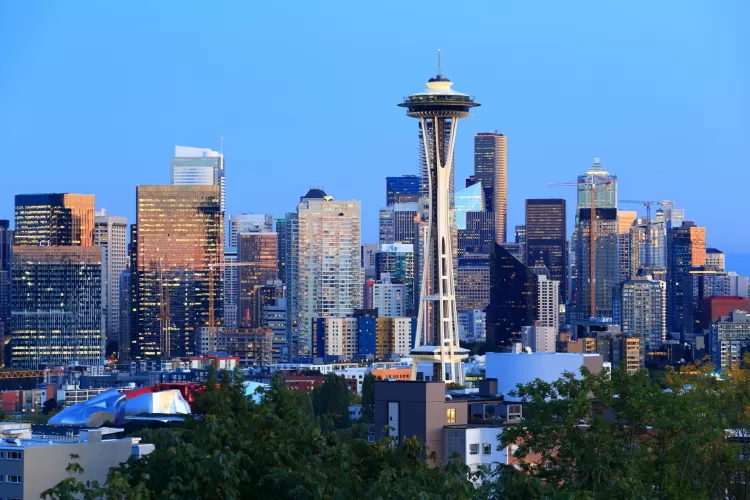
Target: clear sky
(94,95)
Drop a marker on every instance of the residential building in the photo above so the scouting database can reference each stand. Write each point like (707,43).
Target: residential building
(544,239)
(401,189)
(111,235)
(179,244)
(713,308)
(715,259)
(59,219)
(291,282)
(33,464)
(644,313)
(548,301)
(396,262)
(389,299)
(282,235)
(490,169)
(337,336)
(257,255)
(328,275)
(199,167)
(617,349)
(231,288)
(539,338)
(58,319)
(730,339)
(274,318)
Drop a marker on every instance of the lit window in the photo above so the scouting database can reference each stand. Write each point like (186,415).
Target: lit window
(450,415)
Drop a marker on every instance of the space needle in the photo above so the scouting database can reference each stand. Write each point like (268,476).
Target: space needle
(438,109)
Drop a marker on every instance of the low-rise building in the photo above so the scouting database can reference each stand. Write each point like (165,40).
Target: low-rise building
(32,464)
(730,338)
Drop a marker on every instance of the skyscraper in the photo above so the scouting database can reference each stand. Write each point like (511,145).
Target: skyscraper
(180,244)
(396,261)
(402,189)
(398,223)
(282,235)
(470,199)
(248,223)
(231,289)
(59,219)
(601,257)
(438,110)
(625,220)
(544,235)
(257,254)
(291,271)
(473,280)
(644,302)
(490,169)
(57,319)
(328,277)
(5,261)
(687,250)
(199,167)
(111,235)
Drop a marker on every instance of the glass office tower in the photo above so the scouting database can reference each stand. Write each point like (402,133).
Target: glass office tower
(58,219)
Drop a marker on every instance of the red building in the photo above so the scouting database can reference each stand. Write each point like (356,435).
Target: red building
(712,308)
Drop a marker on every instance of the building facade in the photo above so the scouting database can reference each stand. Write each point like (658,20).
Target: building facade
(59,219)
(644,313)
(490,169)
(58,319)
(730,339)
(687,250)
(544,238)
(179,246)
(401,189)
(248,223)
(257,255)
(199,167)
(111,235)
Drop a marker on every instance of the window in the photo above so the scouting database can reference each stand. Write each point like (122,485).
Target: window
(450,415)
(486,449)
(2,478)
(14,455)
(14,479)
(474,449)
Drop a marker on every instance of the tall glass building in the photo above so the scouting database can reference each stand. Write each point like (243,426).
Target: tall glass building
(545,236)
(58,219)
(402,189)
(256,255)
(180,246)
(470,199)
(57,320)
(687,250)
(398,223)
(490,168)
(199,167)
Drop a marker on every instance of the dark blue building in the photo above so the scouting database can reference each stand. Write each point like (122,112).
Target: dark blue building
(403,189)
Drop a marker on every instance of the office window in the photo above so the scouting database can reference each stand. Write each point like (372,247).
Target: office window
(14,479)
(450,415)
(474,449)
(486,449)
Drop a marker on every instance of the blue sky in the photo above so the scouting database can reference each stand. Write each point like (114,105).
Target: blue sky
(94,95)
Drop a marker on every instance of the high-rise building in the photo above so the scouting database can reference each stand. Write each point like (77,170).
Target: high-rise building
(282,235)
(369,260)
(389,299)
(126,313)
(470,199)
(6,236)
(644,313)
(248,223)
(473,280)
(274,319)
(396,262)
(256,256)
(544,237)
(513,302)
(111,235)
(199,167)
(58,319)
(231,289)
(60,219)
(402,189)
(625,221)
(730,339)
(291,281)
(479,232)
(438,108)
(328,277)
(687,250)
(398,223)
(714,259)
(490,169)
(178,251)
(548,299)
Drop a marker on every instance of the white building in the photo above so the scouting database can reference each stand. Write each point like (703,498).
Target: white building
(401,335)
(548,303)
(644,311)
(389,299)
(730,338)
(341,337)
(472,325)
(539,338)
(111,234)
(199,167)
(329,278)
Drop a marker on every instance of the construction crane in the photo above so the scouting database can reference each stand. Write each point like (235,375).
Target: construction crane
(592,181)
(45,374)
(649,223)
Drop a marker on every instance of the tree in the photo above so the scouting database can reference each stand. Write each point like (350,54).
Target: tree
(331,402)
(368,398)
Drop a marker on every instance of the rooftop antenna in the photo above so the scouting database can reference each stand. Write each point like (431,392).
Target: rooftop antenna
(439,63)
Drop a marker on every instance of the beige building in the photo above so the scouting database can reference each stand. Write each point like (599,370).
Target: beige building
(111,235)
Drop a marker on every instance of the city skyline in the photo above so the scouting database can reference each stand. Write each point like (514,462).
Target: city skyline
(677,134)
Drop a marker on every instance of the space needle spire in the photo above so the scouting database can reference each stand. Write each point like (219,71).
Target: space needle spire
(438,109)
